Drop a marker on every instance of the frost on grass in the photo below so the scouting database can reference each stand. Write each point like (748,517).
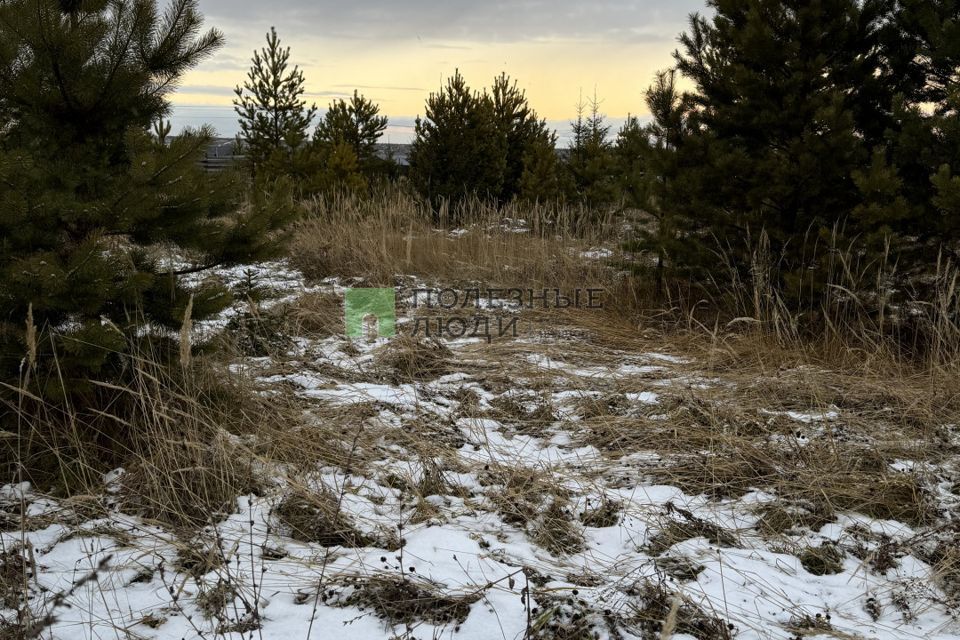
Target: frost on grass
(560,486)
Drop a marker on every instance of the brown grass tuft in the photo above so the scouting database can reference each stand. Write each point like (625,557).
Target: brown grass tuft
(188,482)
(315,516)
(15,573)
(687,527)
(401,600)
(409,359)
(826,559)
(655,605)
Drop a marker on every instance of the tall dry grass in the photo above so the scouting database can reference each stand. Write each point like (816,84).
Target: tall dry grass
(857,310)
(378,238)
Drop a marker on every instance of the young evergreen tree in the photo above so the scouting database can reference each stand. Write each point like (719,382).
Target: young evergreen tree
(356,123)
(911,177)
(274,117)
(776,110)
(457,150)
(85,190)
(525,136)
(590,161)
(334,168)
(650,160)
(542,179)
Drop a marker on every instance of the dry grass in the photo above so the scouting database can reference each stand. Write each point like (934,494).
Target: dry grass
(605,514)
(823,560)
(683,526)
(379,237)
(571,618)
(197,559)
(656,607)
(777,519)
(190,481)
(526,416)
(408,359)
(733,435)
(535,501)
(15,573)
(406,600)
(724,440)
(197,440)
(316,516)
(316,315)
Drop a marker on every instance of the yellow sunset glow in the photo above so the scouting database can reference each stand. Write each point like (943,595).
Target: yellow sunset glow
(552,73)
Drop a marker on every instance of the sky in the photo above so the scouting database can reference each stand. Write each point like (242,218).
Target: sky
(397,52)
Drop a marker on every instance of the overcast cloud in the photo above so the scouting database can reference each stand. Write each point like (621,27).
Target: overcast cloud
(386,21)
(397,51)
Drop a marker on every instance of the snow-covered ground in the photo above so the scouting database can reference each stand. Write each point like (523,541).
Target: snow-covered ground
(532,529)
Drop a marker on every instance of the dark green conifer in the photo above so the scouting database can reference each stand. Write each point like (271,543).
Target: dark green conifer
(776,113)
(356,123)
(87,195)
(590,159)
(458,150)
(274,117)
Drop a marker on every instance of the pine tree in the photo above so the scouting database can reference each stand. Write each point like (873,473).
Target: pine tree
(457,150)
(335,168)
(542,179)
(650,160)
(86,192)
(590,161)
(907,187)
(777,110)
(273,116)
(632,157)
(524,135)
(356,123)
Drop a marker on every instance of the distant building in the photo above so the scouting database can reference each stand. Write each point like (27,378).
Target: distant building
(399,153)
(221,154)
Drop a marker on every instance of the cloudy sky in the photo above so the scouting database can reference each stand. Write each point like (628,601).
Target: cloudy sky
(398,51)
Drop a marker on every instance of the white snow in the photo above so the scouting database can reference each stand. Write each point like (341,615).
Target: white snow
(467,548)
